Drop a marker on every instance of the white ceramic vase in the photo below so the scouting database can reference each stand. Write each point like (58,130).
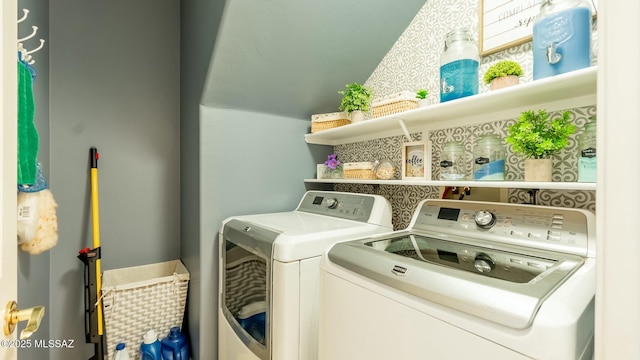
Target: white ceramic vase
(504,81)
(357,116)
(423,102)
(538,170)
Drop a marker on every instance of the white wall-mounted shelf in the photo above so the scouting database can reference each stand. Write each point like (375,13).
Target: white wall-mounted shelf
(485,184)
(565,91)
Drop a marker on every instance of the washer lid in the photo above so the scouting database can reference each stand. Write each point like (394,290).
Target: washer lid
(501,286)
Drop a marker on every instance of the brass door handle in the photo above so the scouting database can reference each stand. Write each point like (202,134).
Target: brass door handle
(12,316)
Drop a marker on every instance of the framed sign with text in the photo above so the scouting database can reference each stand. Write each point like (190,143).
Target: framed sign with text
(413,161)
(507,23)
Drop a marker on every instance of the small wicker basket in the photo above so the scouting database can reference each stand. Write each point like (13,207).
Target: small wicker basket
(394,104)
(327,121)
(359,170)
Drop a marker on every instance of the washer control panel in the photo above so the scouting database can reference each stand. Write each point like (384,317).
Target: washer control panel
(550,228)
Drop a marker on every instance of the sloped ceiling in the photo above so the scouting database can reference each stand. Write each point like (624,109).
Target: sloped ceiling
(290,57)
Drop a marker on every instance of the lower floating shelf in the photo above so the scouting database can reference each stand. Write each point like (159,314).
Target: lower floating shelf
(487,184)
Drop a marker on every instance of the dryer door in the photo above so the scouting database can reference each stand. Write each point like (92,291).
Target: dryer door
(246,283)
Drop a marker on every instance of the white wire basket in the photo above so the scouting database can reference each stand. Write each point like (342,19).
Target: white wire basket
(140,298)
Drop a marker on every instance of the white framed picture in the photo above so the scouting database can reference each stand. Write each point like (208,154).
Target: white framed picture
(413,160)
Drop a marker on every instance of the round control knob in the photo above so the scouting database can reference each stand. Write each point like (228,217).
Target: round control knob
(332,203)
(485,219)
(484,263)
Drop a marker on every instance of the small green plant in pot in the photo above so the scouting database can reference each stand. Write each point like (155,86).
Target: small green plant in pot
(538,138)
(502,74)
(421,95)
(357,98)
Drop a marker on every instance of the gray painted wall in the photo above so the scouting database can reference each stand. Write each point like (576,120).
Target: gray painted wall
(114,85)
(251,163)
(33,270)
(198,31)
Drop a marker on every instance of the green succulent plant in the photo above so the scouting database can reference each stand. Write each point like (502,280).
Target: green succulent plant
(422,93)
(502,68)
(536,136)
(356,97)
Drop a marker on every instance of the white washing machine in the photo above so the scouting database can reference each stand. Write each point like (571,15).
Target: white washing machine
(465,280)
(270,270)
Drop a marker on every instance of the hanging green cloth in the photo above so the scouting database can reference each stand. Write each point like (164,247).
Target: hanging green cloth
(27,133)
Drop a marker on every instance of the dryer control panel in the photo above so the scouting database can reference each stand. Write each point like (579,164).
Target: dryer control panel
(352,206)
(550,228)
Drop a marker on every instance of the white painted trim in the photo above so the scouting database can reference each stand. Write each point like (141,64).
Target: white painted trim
(618,244)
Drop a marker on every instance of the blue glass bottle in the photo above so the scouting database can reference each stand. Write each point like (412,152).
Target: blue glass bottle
(561,37)
(459,66)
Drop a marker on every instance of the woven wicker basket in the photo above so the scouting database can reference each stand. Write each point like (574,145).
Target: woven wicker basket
(394,104)
(140,298)
(321,122)
(359,170)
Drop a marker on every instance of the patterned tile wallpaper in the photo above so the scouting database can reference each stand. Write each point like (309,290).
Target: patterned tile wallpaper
(413,63)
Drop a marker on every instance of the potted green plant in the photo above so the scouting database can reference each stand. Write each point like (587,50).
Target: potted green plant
(502,74)
(538,137)
(356,100)
(421,95)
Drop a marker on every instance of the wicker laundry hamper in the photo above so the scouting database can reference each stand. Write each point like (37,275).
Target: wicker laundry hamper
(140,298)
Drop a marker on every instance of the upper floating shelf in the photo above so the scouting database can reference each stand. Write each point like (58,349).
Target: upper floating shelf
(551,185)
(565,91)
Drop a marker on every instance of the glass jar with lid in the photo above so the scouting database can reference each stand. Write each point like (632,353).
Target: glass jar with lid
(561,37)
(488,158)
(459,66)
(452,161)
(384,169)
(587,152)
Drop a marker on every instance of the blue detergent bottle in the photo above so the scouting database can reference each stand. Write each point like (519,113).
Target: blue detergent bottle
(175,346)
(151,349)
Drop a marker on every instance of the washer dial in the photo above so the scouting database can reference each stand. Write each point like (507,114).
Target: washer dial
(485,219)
(484,263)
(332,203)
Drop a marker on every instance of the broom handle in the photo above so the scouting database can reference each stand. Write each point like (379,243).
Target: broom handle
(95,217)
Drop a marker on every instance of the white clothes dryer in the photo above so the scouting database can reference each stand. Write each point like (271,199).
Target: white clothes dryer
(270,269)
(465,280)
